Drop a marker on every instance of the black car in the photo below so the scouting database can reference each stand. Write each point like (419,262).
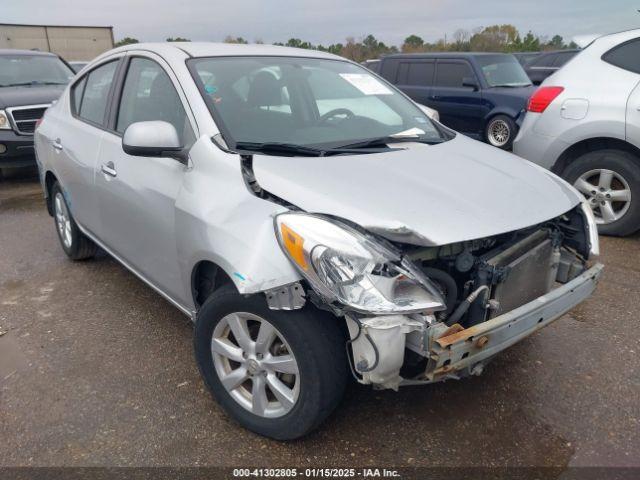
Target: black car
(482,95)
(547,63)
(29,82)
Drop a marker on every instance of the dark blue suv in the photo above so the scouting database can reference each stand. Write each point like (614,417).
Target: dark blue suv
(482,95)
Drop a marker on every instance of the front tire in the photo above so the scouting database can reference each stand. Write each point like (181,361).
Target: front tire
(501,131)
(277,373)
(75,244)
(610,180)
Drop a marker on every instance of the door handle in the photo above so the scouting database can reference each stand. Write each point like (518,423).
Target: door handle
(109,169)
(435,97)
(56,144)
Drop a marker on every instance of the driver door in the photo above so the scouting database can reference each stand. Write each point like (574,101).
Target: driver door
(137,195)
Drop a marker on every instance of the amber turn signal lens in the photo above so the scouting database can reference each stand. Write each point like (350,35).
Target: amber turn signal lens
(294,245)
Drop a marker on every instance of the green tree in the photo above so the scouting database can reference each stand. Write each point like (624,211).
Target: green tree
(297,43)
(232,39)
(530,43)
(177,39)
(556,43)
(495,38)
(413,43)
(126,41)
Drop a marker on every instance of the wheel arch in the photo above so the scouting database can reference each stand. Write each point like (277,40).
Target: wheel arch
(591,145)
(207,277)
(499,110)
(49,180)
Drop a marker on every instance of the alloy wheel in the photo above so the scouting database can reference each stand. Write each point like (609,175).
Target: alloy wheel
(607,192)
(63,220)
(255,364)
(498,133)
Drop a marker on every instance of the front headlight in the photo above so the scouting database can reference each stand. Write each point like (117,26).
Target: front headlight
(592,227)
(4,121)
(345,266)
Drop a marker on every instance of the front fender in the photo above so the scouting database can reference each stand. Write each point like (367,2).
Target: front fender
(219,220)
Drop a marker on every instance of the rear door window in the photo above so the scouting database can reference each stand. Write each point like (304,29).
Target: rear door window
(452,74)
(76,95)
(420,74)
(95,96)
(626,55)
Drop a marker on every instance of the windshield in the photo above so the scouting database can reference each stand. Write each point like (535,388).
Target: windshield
(305,101)
(503,71)
(16,70)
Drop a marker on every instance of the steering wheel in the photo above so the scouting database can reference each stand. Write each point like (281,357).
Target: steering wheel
(335,112)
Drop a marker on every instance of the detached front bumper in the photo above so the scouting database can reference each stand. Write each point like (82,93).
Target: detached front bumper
(456,353)
(18,150)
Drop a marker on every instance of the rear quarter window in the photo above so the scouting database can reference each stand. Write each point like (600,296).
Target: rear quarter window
(626,56)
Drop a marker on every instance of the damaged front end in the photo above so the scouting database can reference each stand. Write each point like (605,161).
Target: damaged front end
(420,314)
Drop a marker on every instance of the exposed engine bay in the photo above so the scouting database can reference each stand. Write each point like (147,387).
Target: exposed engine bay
(480,280)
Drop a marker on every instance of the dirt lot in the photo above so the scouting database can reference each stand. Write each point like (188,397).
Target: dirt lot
(97,369)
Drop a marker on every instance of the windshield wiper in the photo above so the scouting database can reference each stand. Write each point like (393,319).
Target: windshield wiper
(28,84)
(383,141)
(291,149)
(276,148)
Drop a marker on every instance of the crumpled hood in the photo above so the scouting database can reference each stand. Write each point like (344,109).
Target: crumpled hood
(31,95)
(423,194)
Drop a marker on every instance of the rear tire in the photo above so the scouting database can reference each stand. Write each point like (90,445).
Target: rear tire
(75,244)
(500,132)
(610,180)
(311,338)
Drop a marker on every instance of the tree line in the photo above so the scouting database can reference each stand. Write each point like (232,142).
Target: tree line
(495,38)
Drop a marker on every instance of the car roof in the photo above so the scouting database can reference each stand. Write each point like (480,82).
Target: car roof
(211,49)
(618,37)
(566,50)
(444,54)
(38,53)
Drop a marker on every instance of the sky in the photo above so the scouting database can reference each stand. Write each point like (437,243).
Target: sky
(325,21)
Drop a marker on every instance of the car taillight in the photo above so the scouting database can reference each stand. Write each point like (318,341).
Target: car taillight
(542,98)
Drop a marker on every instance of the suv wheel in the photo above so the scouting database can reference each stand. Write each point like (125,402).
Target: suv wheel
(278,373)
(75,244)
(501,131)
(610,180)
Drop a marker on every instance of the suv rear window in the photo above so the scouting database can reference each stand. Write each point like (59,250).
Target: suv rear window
(626,55)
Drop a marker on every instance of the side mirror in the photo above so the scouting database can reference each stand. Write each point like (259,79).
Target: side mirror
(153,139)
(470,82)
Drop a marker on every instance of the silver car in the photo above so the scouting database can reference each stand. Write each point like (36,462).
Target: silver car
(583,123)
(311,219)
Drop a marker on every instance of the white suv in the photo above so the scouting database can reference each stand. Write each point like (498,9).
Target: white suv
(584,124)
